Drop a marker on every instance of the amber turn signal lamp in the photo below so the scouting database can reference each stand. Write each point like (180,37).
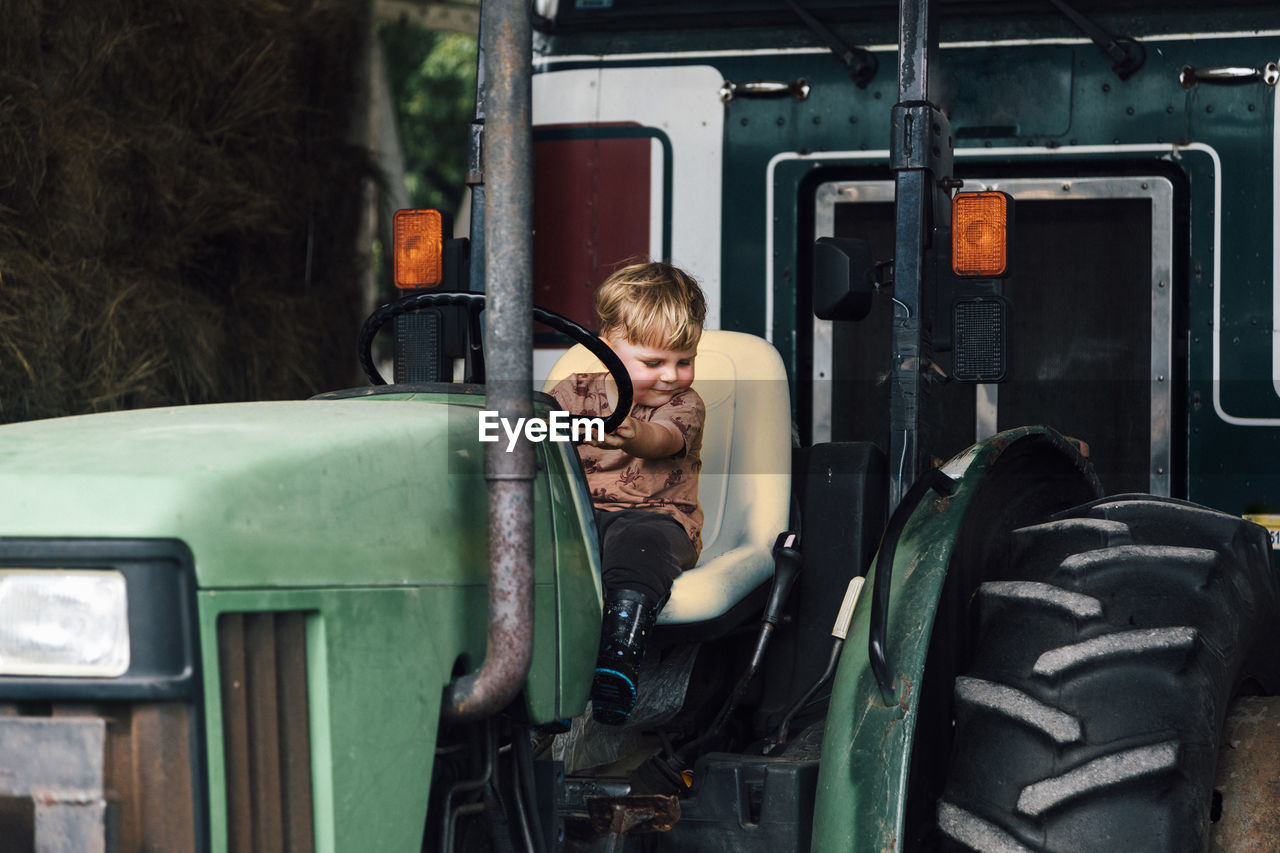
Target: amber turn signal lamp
(980,234)
(418,254)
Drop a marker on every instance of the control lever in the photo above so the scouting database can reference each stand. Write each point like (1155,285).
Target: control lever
(786,568)
(839,633)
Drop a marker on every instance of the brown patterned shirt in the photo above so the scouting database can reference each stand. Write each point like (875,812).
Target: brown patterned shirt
(617,479)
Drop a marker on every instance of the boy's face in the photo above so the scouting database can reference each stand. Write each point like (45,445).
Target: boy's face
(657,373)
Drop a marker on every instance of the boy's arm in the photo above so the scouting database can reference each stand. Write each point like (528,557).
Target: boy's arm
(644,439)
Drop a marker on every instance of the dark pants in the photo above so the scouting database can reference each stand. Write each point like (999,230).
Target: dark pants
(643,551)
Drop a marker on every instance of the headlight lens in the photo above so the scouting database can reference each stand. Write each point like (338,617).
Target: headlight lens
(61,622)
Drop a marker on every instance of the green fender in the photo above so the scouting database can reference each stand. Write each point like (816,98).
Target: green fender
(867,748)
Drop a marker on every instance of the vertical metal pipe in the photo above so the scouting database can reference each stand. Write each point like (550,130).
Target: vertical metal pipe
(507,39)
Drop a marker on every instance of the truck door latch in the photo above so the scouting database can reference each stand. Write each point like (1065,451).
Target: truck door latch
(1228,74)
(764,89)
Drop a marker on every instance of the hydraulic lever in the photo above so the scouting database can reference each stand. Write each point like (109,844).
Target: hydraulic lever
(839,632)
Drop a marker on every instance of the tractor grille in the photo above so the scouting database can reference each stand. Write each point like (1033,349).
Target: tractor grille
(266,736)
(113,775)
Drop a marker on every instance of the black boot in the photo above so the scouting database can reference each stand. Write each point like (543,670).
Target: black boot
(628,616)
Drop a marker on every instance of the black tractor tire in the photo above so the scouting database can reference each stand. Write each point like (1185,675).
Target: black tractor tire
(1090,718)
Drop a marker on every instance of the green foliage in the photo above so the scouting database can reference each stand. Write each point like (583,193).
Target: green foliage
(432,77)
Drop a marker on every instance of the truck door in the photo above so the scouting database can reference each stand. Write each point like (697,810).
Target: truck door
(1092,334)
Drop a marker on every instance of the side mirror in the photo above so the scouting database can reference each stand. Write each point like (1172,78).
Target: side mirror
(842,278)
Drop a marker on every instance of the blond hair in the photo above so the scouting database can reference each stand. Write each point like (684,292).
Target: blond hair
(652,304)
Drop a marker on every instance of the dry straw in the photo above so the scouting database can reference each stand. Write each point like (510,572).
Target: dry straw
(178,202)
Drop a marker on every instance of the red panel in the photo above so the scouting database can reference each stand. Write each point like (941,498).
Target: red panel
(590,212)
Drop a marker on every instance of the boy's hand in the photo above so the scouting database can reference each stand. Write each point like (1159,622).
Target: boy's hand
(643,439)
(620,436)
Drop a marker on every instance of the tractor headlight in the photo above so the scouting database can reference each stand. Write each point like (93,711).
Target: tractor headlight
(63,623)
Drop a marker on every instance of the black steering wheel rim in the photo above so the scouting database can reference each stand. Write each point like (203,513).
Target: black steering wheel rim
(475,303)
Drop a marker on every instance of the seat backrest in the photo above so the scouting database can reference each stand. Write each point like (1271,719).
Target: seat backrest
(745,484)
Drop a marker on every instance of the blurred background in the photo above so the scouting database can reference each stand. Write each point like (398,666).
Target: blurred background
(194,196)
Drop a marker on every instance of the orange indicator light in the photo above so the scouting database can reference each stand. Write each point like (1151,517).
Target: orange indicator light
(419,248)
(979,234)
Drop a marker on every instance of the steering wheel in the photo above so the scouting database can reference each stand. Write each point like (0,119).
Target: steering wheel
(475,303)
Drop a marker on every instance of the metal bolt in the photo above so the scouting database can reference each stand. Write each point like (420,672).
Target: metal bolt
(1066,188)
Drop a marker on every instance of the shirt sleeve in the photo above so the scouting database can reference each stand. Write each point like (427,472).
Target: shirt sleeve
(686,412)
(583,394)
(563,392)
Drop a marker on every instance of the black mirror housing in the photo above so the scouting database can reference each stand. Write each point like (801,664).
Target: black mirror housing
(842,278)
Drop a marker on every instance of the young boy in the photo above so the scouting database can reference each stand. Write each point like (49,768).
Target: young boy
(644,476)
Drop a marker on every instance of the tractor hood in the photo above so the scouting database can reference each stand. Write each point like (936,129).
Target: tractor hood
(371,492)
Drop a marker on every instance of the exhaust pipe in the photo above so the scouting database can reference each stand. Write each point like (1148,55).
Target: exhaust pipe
(506,43)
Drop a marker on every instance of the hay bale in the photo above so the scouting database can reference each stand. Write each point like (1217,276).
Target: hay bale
(179,202)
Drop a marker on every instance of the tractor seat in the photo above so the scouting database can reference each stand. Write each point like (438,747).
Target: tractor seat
(745,484)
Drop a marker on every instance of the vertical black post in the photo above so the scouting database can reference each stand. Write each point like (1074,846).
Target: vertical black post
(920,156)
(475,177)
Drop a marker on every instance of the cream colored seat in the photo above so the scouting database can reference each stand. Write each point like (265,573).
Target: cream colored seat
(745,484)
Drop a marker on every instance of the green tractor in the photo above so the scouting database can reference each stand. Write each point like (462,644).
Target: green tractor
(368,621)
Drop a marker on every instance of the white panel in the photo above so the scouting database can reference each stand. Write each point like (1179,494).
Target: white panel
(684,103)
